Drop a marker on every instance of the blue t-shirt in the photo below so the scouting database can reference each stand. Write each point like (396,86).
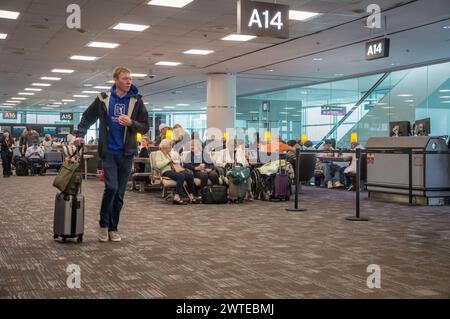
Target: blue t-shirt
(118,106)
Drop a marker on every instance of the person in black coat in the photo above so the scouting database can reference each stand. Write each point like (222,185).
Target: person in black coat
(7,146)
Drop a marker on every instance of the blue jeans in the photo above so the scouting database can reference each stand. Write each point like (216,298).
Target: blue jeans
(117,170)
(180,178)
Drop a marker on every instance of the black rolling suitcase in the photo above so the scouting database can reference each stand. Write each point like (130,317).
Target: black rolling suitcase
(68,219)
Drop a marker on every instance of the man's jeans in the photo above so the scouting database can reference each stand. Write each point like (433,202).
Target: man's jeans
(117,170)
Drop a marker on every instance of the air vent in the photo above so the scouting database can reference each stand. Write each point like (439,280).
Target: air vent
(40,26)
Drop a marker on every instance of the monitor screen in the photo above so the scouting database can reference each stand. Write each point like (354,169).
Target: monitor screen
(17,130)
(422,127)
(400,128)
(49,130)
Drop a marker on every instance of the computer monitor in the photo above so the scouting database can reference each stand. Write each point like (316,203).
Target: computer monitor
(400,128)
(422,127)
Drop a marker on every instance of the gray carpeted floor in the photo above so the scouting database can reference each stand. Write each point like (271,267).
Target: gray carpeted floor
(252,250)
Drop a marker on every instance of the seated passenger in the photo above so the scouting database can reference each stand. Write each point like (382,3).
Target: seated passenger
(331,171)
(47,143)
(200,164)
(143,153)
(35,155)
(167,160)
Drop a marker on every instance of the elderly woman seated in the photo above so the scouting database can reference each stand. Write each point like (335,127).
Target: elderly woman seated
(168,162)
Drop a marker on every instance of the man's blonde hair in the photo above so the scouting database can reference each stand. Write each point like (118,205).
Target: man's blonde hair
(120,69)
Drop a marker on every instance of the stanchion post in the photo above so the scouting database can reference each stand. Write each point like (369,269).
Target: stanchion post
(410,187)
(297,177)
(358,189)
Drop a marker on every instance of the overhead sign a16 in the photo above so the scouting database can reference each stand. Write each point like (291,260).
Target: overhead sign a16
(263,19)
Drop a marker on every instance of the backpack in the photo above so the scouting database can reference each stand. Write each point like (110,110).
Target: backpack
(69,177)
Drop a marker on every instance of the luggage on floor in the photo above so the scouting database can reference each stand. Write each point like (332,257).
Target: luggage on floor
(215,194)
(237,192)
(69,217)
(21,167)
(281,186)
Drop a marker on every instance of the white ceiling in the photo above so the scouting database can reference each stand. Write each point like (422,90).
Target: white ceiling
(40,41)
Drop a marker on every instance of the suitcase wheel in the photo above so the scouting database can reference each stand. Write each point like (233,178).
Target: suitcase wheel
(80,239)
(64,239)
(55,236)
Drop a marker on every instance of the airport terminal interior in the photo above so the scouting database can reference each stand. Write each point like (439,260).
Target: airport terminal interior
(230,149)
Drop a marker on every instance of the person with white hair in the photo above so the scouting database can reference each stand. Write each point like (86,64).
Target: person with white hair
(169,163)
(162,133)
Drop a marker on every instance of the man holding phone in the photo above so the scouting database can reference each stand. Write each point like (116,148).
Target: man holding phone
(122,114)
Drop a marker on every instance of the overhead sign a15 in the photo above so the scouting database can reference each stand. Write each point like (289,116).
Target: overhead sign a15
(377,49)
(263,19)
(66,116)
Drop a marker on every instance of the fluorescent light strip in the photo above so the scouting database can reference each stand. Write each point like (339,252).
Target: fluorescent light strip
(198,52)
(168,63)
(9,14)
(136,75)
(19,98)
(26,93)
(3,36)
(79,95)
(444,91)
(68,100)
(445,97)
(301,15)
(83,57)
(9,101)
(6,107)
(35,90)
(9,104)
(57,103)
(50,78)
(130,27)
(170,3)
(183,104)
(62,71)
(157,110)
(105,45)
(90,92)
(404,95)
(238,37)
(41,84)
(102,87)
(169,107)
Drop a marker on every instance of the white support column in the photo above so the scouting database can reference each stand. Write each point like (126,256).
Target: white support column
(221,102)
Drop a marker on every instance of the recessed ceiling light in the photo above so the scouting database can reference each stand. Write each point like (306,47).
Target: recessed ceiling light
(157,109)
(169,107)
(79,95)
(62,71)
(137,75)
(9,104)
(102,87)
(444,91)
(88,85)
(198,52)
(106,45)
(168,63)
(68,100)
(47,108)
(445,97)
(170,3)
(404,95)
(183,104)
(9,14)
(6,106)
(41,84)
(83,57)
(238,37)
(317,59)
(9,101)
(26,93)
(30,89)
(3,36)
(130,27)
(446,27)
(90,92)
(50,78)
(19,98)
(301,15)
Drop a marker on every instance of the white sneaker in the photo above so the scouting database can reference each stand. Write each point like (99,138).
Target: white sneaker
(338,184)
(330,184)
(103,234)
(114,236)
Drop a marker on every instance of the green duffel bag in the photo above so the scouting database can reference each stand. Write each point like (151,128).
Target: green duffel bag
(68,179)
(238,175)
